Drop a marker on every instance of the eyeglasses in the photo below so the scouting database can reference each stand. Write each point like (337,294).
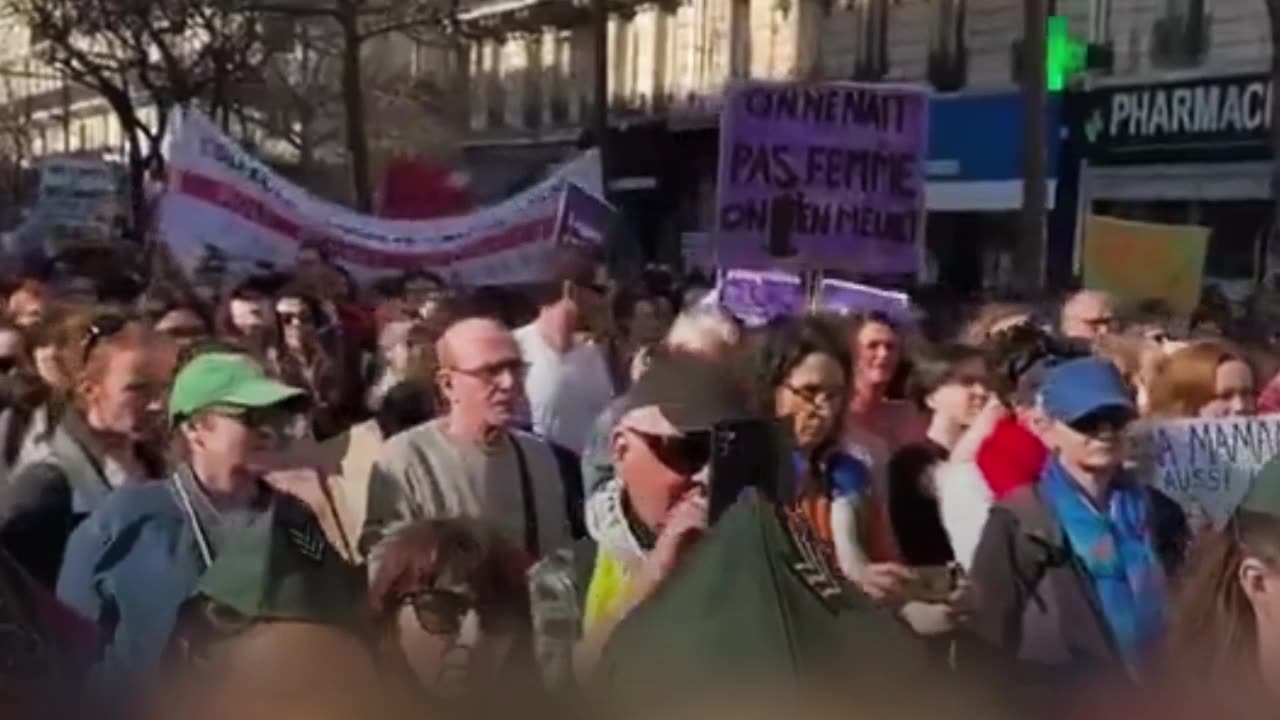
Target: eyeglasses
(685,454)
(491,372)
(440,612)
(274,419)
(816,395)
(1103,421)
(103,326)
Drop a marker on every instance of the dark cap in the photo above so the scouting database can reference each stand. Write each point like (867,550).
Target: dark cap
(680,393)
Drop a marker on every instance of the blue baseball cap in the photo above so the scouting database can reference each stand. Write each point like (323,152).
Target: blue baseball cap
(1084,386)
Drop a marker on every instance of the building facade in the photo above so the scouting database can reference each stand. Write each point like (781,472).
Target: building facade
(530,79)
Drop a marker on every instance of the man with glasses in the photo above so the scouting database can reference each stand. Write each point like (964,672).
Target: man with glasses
(569,383)
(642,522)
(133,562)
(1088,315)
(470,463)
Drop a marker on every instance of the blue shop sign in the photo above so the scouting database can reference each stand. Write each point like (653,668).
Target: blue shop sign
(975,151)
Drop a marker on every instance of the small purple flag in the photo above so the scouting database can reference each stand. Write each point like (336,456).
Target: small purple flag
(757,296)
(849,298)
(583,219)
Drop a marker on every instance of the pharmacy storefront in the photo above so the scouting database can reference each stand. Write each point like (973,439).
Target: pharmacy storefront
(1193,150)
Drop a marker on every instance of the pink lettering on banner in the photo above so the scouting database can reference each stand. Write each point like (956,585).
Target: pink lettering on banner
(227,197)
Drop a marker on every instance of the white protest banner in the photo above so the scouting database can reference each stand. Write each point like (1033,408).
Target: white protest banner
(222,200)
(1206,465)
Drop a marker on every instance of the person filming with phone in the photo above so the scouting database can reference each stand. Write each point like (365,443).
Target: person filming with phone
(643,523)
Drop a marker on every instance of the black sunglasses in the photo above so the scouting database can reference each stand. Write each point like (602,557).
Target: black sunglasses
(685,454)
(1096,423)
(440,612)
(103,326)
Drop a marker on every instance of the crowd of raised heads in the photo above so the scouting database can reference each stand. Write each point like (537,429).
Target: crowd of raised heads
(300,495)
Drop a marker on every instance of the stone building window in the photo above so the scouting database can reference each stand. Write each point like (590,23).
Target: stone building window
(1180,36)
(948,54)
(871,23)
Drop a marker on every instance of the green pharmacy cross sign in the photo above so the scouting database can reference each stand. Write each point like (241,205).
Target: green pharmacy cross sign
(1064,55)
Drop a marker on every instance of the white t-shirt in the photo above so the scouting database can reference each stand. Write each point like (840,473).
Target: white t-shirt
(566,391)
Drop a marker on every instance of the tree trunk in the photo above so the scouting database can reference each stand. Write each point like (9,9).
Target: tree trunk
(1034,95)
(137,226)
(353,102)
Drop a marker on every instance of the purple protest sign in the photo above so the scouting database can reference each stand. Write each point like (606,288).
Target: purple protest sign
(582,219)
(756,297)
(843,297)
(827,174)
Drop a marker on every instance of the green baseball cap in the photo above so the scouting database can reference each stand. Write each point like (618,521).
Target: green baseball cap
(224,379)
(280,567)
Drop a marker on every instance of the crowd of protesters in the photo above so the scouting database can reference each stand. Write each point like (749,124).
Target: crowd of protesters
(304,497)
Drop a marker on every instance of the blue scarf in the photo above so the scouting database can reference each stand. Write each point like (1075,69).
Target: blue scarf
(1118,551)
(845,474)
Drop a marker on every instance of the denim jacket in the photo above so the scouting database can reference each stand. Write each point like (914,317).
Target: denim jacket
(131,565)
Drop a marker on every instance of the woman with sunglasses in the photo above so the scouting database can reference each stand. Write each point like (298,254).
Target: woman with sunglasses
(1072,582)
(104,438)
(309,355)
(449,599)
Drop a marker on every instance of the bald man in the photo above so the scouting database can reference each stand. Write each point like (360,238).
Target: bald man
(470,463)
(1087,315)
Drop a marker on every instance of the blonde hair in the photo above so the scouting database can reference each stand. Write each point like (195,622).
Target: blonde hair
(991,315)
(1187,379)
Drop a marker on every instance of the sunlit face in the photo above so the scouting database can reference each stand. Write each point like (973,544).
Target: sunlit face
(659,466)
(450,646)
(812,396)
(877,351)
(48,367)
(961,399)
(26,309)
(1088,316)
(250,316)
(236,442)
(485,385)
(296,322)
(1234,391)
(1094,443)
(125,400)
